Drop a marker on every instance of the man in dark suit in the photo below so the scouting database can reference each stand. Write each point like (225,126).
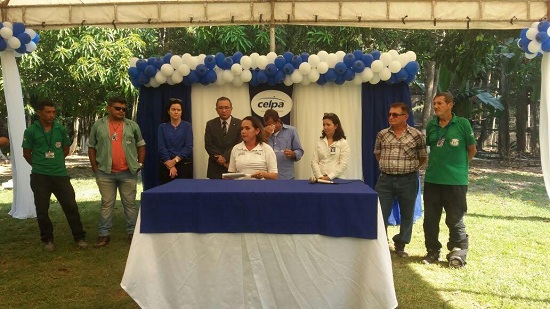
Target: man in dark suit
(221,134)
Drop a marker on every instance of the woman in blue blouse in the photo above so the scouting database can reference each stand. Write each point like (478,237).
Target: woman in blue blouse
(175,145)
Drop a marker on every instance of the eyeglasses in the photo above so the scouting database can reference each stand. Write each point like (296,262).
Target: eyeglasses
(118,108)
(395,115)
(172,100)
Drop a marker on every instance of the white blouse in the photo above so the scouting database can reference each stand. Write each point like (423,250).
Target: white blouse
(260,158)
(330,160)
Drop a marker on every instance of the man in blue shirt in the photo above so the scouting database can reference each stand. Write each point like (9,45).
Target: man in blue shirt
(284,141)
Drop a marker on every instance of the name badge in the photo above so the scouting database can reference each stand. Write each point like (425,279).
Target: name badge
(49,155)
(440,142)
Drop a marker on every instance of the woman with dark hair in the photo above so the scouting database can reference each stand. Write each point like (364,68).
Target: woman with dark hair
(175,145)
(253,156)
(331,155)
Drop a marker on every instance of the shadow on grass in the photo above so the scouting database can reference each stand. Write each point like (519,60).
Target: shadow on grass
(511,218)
(542,303)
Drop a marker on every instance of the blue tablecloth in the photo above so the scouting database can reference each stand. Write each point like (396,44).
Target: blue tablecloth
(348,209)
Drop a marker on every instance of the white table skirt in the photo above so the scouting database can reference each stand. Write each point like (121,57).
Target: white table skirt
(232,270)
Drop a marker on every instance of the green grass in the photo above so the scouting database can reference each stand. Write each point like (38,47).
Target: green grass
(508,263)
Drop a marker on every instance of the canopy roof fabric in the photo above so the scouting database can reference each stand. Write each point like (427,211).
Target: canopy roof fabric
(397,14)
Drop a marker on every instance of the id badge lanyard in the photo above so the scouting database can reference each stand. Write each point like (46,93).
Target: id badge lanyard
(49,154)
(441,139)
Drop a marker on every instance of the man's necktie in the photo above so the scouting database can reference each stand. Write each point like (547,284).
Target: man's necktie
(224,129)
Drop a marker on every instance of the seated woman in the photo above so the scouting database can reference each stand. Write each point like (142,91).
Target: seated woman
(175,145)
(331,153)
(253,156)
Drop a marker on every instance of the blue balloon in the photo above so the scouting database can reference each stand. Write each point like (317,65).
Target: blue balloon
(358,66)
(201,70)
(288,56)
(296,61)
(340,80)
(25,38)
(227,63)
(280,62)
(203,81)
(271,70)
(133,72)
(210,62)
(158,62)
(401,75)
(211,76)
(349,75)
(18,28)
(3,44)
(219,59)
(524,44)
(167,57)
(523,34)
(150,71)
(136,83)
(187,81)
(36,39)
(331,75)
(304,56)
(545,46)
(367,60)
(392,80)
(543,26)
(262,77)
(237,57)
(340,68)
(358,54)
(288,69)
(143,79)
(349,59)
(151,61)
(271,81)
(541,37)
(279,77)
(141,64)
(22,49)
(254,80)
(410,79)
(412,68)
(322,80)
(375,54)
(1,25)
(193,77)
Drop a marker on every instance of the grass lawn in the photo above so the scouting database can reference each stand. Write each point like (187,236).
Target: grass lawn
(508,222)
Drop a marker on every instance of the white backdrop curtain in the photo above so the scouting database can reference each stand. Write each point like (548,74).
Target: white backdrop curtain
(544,116)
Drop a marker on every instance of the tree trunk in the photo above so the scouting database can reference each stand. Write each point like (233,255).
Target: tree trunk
(521,120)
(534,140)
(431,89)
(76,127)
(504,120)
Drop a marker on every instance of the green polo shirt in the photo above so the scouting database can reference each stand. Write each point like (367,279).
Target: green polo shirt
(41,142)
(100,140)
(448,162)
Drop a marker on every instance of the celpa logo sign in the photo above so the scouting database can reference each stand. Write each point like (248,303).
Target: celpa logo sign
(274,99)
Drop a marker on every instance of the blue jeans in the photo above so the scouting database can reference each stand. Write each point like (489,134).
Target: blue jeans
(108,184)
(404,188)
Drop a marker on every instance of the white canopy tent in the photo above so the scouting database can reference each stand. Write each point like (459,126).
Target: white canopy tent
(404,14)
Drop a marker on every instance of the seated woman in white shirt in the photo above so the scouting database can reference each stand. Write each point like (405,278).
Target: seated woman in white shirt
(253,156)
(331,154)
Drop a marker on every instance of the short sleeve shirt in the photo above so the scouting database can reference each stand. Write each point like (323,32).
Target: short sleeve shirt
(41,143)
(260,158)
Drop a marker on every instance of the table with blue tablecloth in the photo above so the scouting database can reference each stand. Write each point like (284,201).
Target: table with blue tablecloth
(260,244)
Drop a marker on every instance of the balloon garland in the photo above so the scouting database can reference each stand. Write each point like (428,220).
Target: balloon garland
(535,39)
(321,68)
(15,37)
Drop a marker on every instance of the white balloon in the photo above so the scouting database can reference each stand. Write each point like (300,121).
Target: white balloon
(177,77)
(246,62)
(530,56)
(357,80)
(377,66)
(153,82)
(375,79)
(176,61)
(340,54)
(288,81)
(411,55)
(31,33)
(185,58)
(184,70)
(367,75)
(385,58)
(322,55)
(6,33)
(385,74)
(531,33)
(236,69)
(305,81)
(8,25)
(533,47)
(133,60)
(31,46)
(394,54)
(304,68)
(192,63)
(535,25)
(237,82)
(322,67)
(220,80)
(262,62)
(228,76)
(314,60)
(200,58)
(332,59)
(296,77)
(403,60)
(313,76)
(169,80)
(167,69)
(255,57)
(160,78)
(14,42)
(246,76)
(395,66)
(271,57)
(16,54)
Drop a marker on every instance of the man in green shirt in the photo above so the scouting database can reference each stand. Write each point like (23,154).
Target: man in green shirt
(452,146)
(45,146)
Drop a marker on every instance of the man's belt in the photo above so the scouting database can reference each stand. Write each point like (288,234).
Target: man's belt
(400,175)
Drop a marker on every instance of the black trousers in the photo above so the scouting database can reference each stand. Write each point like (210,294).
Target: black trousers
(43,186)
(184,167)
